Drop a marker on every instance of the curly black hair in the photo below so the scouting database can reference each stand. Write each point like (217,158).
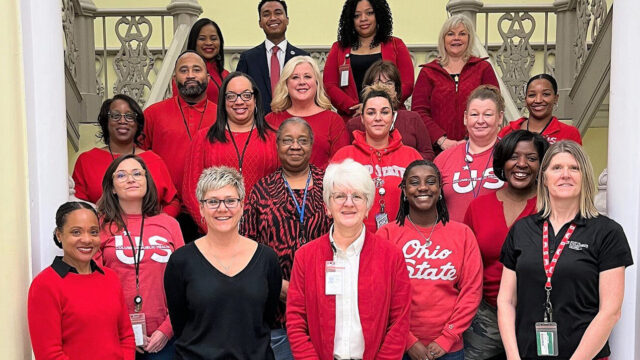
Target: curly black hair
(193,38)
(347,35)
(103,118)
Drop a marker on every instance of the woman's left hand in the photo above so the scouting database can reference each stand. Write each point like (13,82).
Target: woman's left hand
(157,341)
(434,350)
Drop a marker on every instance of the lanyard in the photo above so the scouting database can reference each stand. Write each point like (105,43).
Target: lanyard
(550,266)
(240,158)
(299,208)
(184,120)
(136,254)
(468,159)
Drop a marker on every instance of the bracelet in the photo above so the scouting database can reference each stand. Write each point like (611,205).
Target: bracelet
(444,138)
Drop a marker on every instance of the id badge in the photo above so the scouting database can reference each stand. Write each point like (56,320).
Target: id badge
(139,324)
(547,338)
(334,278)
(381,220)
(344,75)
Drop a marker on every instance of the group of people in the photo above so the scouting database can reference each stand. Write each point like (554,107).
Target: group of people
(242,218)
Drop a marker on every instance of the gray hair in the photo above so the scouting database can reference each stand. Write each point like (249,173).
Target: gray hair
(215,178)
(295,120)
(348,174)
(449,24)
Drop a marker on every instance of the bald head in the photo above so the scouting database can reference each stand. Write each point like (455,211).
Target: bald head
(191,76)
(191,57)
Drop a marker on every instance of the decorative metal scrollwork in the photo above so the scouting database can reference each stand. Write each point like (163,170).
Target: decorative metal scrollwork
(70,49)
(516,56)
(99,69)
(134,61)
(321,58)
(586,11)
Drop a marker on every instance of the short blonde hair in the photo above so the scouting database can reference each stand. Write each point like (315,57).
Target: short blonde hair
(281,100)
(215,178)
(349,174)
(449,24)
(587,192)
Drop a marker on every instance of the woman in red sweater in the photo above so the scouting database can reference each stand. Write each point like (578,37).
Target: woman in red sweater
(136,241)
(349,295)
(300,93)
(541,97)
(516,162)
(240,138)
(444,84)
(444,265)
(382,153)
(206,39)
(121,121)
(364,37)
(76,308)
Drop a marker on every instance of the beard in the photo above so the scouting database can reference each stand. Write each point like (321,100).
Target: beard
(192,91)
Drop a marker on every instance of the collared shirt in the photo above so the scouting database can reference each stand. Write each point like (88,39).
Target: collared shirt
(281,53)
(348,342)
(62,268)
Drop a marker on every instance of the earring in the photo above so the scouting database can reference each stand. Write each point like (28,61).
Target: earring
(440,197)
(202,220)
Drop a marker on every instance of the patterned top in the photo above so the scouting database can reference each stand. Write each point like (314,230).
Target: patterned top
(271,218)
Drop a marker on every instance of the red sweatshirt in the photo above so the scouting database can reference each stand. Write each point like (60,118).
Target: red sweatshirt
(446,280)
(329,134)
(92,165)
(166,133)
(388,164)
(383,301)
(76,315)
(215,82)
(260,160)
(485,216)
(461,180)
(343,98)
(440,103)
(554,132)
(162,236)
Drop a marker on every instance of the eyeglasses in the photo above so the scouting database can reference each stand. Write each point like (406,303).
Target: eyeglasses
(122,176)
(301,141)
(341,198)
(230,96)
(129,117)
(386,83)
(214,204)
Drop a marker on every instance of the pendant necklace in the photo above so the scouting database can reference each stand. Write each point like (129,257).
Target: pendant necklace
(427,240)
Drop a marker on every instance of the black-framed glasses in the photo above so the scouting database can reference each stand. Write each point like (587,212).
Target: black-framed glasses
(303,141)
(129,117)
(214,204)
(231,96)
(122,176)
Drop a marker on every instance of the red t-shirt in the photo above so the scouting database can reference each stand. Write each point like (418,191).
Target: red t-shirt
(92,165)
(463,182)
(161,237)
(554,132)
(387,164)
(329,134)
(260,160)
(485,216)
(168,136)
(446,280)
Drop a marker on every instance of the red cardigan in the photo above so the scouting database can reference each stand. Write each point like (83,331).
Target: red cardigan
(384,295)
(440,104)
(343,98)
(553,133)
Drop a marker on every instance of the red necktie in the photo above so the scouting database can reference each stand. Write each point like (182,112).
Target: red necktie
(275,68)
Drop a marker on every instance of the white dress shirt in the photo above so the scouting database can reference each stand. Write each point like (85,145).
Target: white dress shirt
(281,53)
(349,339)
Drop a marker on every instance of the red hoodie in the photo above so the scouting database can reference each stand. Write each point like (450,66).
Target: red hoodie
(389,165)
(554,132)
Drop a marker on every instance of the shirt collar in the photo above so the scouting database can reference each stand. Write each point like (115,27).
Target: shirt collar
(62,268)
(282,46)
(199,106)
(354,249)
(578,220)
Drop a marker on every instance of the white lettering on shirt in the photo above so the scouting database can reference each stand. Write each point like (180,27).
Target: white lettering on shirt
(386,170)
(489,180)
(413,250)
(157,244)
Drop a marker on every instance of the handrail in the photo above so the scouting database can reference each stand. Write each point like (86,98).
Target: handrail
(133,12)
(501,8)
(163,78)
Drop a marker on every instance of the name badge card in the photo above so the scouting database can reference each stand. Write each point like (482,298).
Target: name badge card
(381,220)
(139,324)
(547,338)
(334,278)
(344,75)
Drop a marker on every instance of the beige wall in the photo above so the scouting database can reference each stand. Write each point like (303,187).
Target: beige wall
(14,216)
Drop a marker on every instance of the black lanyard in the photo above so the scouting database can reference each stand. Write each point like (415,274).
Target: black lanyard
(235,146)
(184,120)
(136,254)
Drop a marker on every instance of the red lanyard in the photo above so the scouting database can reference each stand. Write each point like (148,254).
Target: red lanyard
(549,267)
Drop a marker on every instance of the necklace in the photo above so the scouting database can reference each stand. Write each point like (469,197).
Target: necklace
(543,129)
(427,240)
(225,267)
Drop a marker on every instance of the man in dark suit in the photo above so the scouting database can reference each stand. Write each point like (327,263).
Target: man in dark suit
(257,62)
